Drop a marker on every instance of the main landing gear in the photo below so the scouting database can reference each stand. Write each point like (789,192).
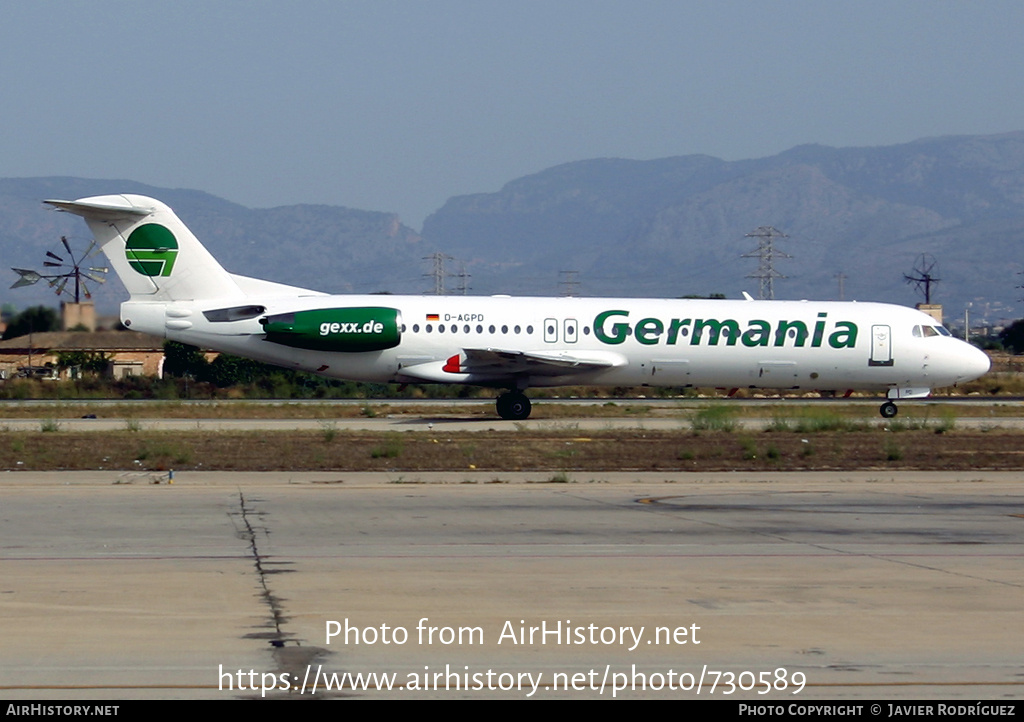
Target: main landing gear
(888,410)
(513,406)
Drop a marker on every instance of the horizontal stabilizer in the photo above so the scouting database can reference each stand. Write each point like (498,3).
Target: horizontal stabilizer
(111,208)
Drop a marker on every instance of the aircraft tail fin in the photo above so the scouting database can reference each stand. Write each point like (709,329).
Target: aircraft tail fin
(155,255)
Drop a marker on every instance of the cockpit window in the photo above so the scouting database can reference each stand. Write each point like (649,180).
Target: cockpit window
(926,331)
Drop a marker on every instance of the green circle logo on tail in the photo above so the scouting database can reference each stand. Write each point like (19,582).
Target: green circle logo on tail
(151,250)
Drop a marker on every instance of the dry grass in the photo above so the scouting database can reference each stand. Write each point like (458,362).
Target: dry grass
(514,450)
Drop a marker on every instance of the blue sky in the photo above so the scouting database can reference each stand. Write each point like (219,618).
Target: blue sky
(398,105)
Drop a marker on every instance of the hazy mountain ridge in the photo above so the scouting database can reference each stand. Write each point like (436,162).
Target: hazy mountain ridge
(676,225)
(664,227)
(328,248)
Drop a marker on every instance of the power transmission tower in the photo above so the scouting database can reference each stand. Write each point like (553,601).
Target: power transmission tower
(766,255)
(463,279)
(438,272)
(568,283)
(841,277)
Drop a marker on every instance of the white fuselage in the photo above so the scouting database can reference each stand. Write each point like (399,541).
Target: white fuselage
(759,344)
(178,290)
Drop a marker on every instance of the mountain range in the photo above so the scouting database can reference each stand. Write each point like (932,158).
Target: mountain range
(666,227)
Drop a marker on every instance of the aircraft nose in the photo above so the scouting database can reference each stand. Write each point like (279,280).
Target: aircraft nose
(975,363)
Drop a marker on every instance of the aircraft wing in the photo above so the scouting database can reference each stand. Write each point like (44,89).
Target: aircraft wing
(490,365)
(492,360)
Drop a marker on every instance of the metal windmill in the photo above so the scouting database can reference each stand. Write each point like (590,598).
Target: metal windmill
(925,275)
(63,271)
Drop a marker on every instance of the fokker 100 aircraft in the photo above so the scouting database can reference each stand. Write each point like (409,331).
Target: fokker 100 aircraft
(177,290)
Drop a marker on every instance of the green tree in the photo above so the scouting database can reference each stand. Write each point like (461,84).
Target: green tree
(181,359)
(92,362)
(227,370)
(37,319)
(1012,337)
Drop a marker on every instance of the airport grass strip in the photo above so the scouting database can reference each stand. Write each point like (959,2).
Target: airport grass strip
(330,449)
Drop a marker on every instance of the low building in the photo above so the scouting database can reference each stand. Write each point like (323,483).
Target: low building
(129,353)
(932,309)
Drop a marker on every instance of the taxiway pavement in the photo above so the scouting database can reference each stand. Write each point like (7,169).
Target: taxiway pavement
(862,584)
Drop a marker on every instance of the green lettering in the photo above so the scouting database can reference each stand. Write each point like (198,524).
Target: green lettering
(732,331)
(648,330)
(674,327)
(758,333)
(784,326)
(619,331)
(845,337)
(819,330)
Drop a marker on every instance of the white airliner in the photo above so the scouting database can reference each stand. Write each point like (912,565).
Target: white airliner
(177,290)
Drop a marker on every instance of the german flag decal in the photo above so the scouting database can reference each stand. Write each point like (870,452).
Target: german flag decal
(433,317)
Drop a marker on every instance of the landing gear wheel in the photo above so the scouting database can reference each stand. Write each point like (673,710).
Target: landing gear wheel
(888,410)
(513,406)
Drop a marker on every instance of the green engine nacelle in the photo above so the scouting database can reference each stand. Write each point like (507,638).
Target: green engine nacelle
(349,330)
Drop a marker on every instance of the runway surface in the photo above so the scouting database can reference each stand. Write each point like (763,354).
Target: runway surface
(449,422)
(846,585)
(477,414)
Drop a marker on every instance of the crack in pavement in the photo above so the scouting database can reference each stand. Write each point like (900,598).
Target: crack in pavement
(290,655)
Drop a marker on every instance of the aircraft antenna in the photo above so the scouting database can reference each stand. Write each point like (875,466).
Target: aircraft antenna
(766,253)
(924,275)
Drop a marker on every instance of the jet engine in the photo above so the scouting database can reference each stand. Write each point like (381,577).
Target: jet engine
(348,330)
